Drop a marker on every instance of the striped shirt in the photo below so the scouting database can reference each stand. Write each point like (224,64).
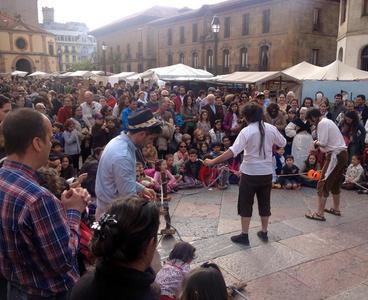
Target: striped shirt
(39,239)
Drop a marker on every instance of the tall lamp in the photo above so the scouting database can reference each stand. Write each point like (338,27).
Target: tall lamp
(215,26)
(104,48)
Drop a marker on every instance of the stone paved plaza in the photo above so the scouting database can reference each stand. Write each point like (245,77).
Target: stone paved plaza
(304,259)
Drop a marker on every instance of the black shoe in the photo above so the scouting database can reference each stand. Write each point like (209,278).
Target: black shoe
(241,239)
(263,235)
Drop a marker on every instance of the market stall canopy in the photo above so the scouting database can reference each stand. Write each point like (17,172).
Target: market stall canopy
(84,74)
(19,73)
(175,72)
(40,74)
(254,77)
(102,73)
(67,74)
(338,71)
(123,75)
(301,70)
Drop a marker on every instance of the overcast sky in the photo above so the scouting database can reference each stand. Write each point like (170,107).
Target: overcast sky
(98,13)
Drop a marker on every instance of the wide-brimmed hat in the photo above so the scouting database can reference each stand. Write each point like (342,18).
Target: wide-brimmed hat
(142,119)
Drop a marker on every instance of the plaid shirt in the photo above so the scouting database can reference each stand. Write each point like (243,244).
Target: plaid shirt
(38,238)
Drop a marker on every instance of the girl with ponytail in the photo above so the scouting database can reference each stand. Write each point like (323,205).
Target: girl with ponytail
(256,140)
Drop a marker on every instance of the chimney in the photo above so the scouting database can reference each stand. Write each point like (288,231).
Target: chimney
(48,15)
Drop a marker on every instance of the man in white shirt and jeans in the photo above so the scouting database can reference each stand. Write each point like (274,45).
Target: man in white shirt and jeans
(256,140)
(331,142)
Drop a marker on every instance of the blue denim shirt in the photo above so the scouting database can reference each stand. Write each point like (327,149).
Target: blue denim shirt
(116,173)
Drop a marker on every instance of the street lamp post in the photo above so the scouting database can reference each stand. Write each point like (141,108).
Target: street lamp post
(104,48)
(215,26)
(59,59)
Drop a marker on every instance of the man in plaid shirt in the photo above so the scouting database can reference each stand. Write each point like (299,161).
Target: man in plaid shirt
(39,234)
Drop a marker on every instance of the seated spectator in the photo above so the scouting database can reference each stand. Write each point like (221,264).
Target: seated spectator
(204,150)
(171,276)
(67,170)
(171,167)
(311,163)
(192,168)
(143,177)
(292,181)
(217,133)
(150,154)
(124,242)
(181,156)
(216,150)
(354,174)
(204,283)
(160,171)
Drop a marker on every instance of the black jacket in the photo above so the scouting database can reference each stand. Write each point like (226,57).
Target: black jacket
(109,282)
(90,167)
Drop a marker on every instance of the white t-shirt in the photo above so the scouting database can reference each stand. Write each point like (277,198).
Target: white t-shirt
(249,139)
(329,136)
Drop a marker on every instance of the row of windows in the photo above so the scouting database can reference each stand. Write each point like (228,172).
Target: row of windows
(243,61)
(69,38)
(343,9)
(243,58)
(363,57)
(266,16)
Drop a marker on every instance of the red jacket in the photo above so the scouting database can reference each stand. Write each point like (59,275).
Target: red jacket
(64,114)
(111,101)
(177,104)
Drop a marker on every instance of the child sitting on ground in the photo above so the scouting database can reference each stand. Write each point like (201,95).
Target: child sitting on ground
(160,169)
(204,150)
(142,177)
(278,162)
(192,167)
(172,274)
(172,168)
(354,173)
(216,150)
(293,181)
(310,164)
(150,154)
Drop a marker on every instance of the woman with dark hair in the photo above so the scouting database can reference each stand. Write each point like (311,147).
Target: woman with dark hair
(204,283)
(354,133)
(189,112)
(124,243)
(276,117)
(307,102)
(256,140)
(232,124)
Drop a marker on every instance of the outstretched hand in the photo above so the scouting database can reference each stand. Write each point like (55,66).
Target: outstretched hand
(208,162)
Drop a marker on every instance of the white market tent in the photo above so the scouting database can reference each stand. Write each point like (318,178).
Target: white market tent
(84,74)
(19,73)
(254,77)
(301,70)
(175,72)
(40,74)
(338,71)
(123,75)
(334,78)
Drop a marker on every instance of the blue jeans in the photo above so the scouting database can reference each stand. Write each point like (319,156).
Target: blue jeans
(14,293)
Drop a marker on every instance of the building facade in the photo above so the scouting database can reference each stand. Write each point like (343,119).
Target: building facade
(27,9)
(74,44)
(352,40)
(25,47)
(254,35)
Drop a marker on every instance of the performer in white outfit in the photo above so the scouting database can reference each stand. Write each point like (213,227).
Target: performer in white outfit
(330,141)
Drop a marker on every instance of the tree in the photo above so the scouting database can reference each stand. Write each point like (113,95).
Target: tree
(84,65)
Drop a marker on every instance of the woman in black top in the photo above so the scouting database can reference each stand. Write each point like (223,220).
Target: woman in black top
(124,243)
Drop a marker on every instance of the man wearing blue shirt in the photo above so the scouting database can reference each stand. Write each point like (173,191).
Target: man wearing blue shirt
(133,104)
(116,174)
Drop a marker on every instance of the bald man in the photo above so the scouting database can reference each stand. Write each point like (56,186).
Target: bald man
(90,108)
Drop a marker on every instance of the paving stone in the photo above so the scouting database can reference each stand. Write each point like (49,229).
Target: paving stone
(279,286)
(360,251)
(305,225)
(330,274)
(190,209)
(359,292)
(312,246)
(259,261)
(196,226)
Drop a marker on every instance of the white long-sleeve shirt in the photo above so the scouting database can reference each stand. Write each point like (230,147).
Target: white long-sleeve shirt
(249,139)
(354,173)
(329,136)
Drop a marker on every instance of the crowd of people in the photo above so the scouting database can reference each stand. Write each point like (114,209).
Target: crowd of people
(57,145)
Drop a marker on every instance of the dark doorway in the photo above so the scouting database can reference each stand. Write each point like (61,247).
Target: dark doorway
(23,65)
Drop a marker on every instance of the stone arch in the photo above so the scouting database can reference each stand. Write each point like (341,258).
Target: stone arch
(28,63)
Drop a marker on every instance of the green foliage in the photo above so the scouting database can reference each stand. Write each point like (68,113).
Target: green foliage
(84,65)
